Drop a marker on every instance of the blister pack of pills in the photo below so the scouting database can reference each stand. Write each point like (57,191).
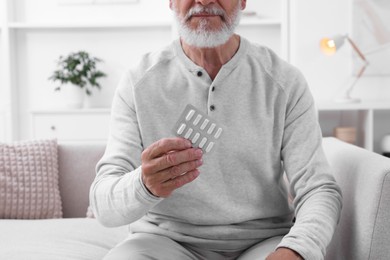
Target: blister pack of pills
(199,128)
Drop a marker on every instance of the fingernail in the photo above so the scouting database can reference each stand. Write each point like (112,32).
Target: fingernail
(196,173)
(199,152)
(199,162)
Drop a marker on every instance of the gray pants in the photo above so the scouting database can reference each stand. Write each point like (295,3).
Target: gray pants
(149,246)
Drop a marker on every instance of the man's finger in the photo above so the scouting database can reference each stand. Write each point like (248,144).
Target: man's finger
(166,145)
(176,171)
(180,181)
(178,157)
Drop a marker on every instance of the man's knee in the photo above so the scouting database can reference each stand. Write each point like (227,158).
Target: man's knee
(135,247)
(146,247)
(262,249)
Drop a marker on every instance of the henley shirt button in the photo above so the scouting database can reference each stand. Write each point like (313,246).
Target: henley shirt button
(199,74)
(212,108)
(213,89)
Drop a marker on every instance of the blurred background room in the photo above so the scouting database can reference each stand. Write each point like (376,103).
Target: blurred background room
(39,40)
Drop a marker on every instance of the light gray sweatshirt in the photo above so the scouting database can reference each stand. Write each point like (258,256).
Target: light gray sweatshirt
(240,197)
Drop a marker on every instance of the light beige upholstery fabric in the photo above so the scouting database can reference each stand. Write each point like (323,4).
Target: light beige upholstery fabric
(362,233)
(77,164)
(57,239)
(29,180)
(364,177)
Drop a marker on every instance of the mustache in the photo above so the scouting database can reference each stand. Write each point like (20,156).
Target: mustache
(213,10)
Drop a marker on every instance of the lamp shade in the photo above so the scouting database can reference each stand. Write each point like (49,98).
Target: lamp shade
(329,46)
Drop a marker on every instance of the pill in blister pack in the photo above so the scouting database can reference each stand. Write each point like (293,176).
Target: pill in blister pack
(197,127)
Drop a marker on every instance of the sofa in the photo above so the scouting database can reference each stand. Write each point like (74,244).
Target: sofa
(362,232)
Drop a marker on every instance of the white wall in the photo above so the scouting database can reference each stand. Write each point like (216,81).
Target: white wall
(328,75)
(2,102)
(266,35)
(2,85)
(50,10)
(313,20)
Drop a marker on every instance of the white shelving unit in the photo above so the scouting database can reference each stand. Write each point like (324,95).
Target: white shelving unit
(2,87)
(86,25)
(6,91)
(31,41)
(363,119)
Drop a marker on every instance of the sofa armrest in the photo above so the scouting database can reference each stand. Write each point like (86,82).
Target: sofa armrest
(364,225)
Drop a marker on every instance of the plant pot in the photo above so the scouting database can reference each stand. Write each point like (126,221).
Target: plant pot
(73,96)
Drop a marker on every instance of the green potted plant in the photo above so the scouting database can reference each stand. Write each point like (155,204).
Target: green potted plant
(77,72)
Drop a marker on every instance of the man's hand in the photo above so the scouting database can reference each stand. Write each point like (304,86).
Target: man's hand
(169,164)
(283,253)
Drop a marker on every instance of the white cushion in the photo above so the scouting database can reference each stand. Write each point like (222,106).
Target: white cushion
(57,239)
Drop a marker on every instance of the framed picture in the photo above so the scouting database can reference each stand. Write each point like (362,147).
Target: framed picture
(371,32)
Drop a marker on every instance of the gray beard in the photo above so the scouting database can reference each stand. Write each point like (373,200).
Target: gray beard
(202,37)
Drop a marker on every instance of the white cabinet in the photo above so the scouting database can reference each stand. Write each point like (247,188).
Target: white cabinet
(71,125)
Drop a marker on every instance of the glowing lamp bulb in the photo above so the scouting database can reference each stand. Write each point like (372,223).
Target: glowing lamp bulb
(328,46)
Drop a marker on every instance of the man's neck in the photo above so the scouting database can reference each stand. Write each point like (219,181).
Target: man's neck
(212,59)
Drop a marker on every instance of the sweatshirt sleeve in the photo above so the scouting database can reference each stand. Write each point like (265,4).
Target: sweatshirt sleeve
(317,197)
(118,195)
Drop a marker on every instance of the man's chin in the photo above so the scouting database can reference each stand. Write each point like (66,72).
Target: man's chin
(205,25)
(205,42)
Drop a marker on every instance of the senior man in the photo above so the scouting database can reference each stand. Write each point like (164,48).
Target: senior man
(233,202)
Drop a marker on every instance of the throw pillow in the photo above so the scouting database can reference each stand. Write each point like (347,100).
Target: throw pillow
(29,186)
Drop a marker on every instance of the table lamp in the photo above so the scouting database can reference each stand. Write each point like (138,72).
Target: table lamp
(330,46)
